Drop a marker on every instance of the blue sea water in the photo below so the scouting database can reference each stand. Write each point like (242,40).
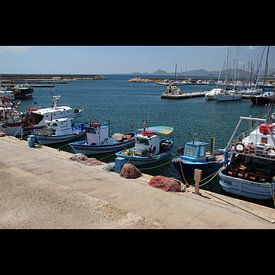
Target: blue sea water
(125,103)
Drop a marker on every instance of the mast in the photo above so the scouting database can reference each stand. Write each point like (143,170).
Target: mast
(176,72)
(266,66)
(258,69)
(226,65)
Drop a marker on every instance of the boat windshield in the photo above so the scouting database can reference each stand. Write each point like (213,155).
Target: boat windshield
(190,151)
(142,141)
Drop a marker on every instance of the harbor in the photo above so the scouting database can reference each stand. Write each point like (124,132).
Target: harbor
(141,154)
(38,190)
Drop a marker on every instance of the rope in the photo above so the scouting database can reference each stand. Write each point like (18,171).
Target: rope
(185,181)
(155,166)
(216,173)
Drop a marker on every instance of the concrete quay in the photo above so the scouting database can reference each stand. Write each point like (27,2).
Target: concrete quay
(42,188)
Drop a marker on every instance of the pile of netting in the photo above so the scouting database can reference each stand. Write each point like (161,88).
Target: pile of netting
(167,184)
(84,159)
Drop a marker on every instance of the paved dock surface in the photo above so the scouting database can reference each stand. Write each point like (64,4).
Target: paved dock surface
(42,188)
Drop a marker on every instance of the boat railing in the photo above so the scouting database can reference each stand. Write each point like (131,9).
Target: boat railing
(252,151)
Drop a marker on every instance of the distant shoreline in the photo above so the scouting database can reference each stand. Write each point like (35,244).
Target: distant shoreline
(52,78)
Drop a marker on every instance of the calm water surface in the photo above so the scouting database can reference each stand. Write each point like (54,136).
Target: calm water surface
(125,103)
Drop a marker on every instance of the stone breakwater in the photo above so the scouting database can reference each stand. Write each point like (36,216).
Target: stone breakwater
(147,80)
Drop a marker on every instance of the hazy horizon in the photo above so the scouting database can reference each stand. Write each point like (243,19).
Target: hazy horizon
(124,59)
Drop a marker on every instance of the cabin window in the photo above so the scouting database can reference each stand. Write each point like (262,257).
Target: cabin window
(202,151)
(143,141)
(190,151)
(264,140)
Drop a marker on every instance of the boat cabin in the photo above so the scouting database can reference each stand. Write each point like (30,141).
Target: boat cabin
(97,134)
(196,151)
(147,143)
(57,127)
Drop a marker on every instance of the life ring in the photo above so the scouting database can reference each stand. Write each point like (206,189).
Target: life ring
(239,147)
(270,152)
(180,150)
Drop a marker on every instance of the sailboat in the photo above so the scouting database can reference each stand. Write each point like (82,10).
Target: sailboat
(267,97)
(229,94)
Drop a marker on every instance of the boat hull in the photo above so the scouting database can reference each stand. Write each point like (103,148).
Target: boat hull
(81,147)
(11,131)
(44,140)
(139,160)
(246,188)
(207,168)
(261,100)
(221,97)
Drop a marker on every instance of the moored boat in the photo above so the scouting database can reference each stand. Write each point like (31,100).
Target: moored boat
(195,156)
(149,147)
(98,140)
(251,169)
(58,131)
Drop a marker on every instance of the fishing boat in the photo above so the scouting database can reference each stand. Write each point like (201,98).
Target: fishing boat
(149,147)
(98,140)
(171,91)
(195,156)
(22,91)
(39,116)
(58,131)
(251,169)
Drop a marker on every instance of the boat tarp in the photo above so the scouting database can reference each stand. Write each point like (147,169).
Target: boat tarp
(164,130)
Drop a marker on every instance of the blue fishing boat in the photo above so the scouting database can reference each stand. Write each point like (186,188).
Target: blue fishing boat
(98,140)
(195,156)
(149,147)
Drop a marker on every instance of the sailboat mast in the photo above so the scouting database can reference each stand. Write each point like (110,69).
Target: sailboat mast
(176,72)
(226,70)
(266,66)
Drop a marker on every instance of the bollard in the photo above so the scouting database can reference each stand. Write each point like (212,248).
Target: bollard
(197,178)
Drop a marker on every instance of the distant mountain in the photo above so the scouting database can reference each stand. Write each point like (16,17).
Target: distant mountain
(160,72)
(202,73)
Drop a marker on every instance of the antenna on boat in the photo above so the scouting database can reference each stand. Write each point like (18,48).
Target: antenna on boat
(194,136)
(144,124)
(55,100)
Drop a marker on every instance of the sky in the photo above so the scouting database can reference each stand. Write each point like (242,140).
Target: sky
(122,59)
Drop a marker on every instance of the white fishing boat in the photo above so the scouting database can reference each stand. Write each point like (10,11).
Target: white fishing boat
(98,140)
(251,169)
(39,116)
(149,147)
(58,131)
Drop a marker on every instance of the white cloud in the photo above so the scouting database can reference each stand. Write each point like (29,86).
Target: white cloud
(14,49)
